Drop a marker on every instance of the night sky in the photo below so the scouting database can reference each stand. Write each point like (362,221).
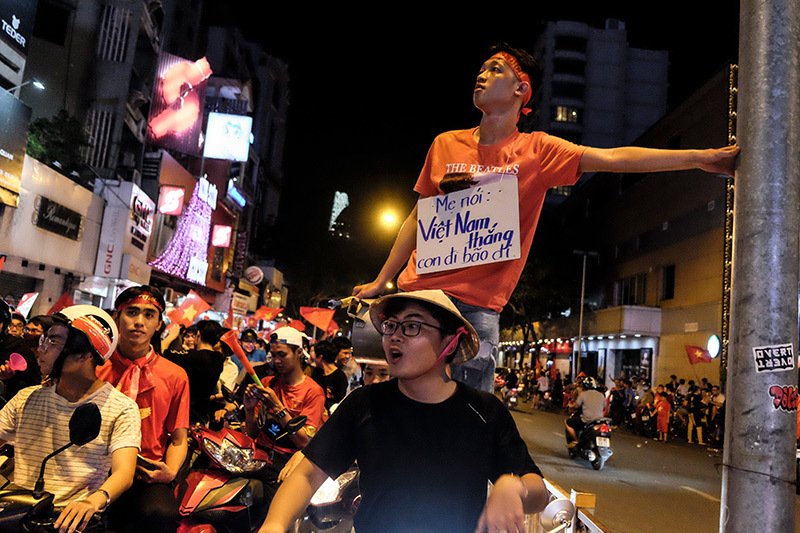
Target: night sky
(370,90)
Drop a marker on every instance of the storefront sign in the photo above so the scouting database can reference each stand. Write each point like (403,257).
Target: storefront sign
(474,226)
(170,200)
(135,270)
(198,269)
(57,219)
(16,22)
(127,224)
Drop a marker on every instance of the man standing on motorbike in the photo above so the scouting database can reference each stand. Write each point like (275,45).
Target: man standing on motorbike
(161,390)
(81,338)
(288,394)
(588,407)
(425,445)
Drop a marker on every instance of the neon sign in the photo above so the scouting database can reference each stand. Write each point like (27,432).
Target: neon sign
(181,100)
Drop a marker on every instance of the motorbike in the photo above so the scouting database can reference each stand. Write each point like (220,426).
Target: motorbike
(34,510)
(594,443)
(333,505)
(222,490)
(511,398)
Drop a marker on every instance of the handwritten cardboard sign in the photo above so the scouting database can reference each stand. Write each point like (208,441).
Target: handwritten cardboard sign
(474,226)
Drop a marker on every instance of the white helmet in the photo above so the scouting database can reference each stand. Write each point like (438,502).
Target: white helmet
(98,326)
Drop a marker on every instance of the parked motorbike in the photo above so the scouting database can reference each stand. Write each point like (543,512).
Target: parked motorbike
(33,510)
(222,491)
(594,443)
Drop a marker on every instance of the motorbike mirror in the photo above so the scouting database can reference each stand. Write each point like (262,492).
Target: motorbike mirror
(84,424)
(558,515)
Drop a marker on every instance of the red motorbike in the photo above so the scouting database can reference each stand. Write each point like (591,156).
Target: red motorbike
(223,491)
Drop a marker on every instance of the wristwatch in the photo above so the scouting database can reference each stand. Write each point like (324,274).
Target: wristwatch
(280,414)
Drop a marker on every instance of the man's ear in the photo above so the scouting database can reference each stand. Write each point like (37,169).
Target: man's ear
(523,88)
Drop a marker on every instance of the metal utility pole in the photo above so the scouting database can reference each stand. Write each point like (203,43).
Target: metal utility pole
(758,477)
(584,253)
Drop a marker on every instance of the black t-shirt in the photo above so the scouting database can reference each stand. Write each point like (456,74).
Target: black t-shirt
(334,385)
(424,467)
(203,368)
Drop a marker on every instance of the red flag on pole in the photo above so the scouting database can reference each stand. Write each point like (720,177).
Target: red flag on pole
(192,306)
(65,300)
(2,261)
(267,313)
(317,316)
(697,354)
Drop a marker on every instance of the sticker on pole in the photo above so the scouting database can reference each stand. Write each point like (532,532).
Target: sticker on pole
(784,397)
(774,358)
(474,226)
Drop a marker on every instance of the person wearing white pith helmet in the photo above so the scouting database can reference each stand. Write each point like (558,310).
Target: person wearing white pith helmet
(81,338)
(426,445)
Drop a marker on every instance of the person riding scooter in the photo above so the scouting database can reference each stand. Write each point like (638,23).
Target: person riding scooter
(588,407)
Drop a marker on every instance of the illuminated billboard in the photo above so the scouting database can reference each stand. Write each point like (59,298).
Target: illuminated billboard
(228,137)
(176,113)
(170,200)
(14,119)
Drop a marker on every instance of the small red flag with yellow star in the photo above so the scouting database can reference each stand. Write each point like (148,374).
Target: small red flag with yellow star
(192,306)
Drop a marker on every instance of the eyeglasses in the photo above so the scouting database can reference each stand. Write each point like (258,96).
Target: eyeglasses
(410,328)
(45,341)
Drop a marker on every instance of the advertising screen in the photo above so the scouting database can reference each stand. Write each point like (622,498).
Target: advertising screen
(14,119)
(228,136)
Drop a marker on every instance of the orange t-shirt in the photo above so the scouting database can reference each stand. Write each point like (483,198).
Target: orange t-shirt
(538,160)
(163,400)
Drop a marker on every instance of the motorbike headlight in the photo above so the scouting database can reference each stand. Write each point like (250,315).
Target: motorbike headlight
(331,489)
(233,458)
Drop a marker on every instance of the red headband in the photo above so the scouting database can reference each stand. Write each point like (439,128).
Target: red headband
(144,298)
(512,62)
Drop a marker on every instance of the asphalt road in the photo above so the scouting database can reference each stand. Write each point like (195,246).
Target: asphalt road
(645,486)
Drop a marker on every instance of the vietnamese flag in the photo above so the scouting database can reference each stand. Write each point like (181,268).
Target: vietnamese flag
(297,324)
(267,313)
(697,354)
(317,316)
(64,301)
(192,306)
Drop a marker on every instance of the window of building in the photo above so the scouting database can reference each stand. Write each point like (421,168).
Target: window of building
(631,290)
(668,282)
(569,42)
(563,113)
(568,90)
(566,65)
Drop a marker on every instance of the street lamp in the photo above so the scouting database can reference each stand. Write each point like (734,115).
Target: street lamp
(585,254)
(36,83)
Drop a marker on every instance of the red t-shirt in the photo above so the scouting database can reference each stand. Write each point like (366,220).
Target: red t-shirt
(163,399)
(306,398)
(540,162)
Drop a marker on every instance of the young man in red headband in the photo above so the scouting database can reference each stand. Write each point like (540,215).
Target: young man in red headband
(161,390)
(533,163)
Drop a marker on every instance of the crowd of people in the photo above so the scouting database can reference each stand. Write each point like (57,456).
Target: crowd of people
(152,383)
(677,409)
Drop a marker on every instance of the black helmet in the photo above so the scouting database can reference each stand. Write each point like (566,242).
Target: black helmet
(5,313)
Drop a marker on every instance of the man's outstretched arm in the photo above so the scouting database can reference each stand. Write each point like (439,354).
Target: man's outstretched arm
(637,159)
(404,244)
